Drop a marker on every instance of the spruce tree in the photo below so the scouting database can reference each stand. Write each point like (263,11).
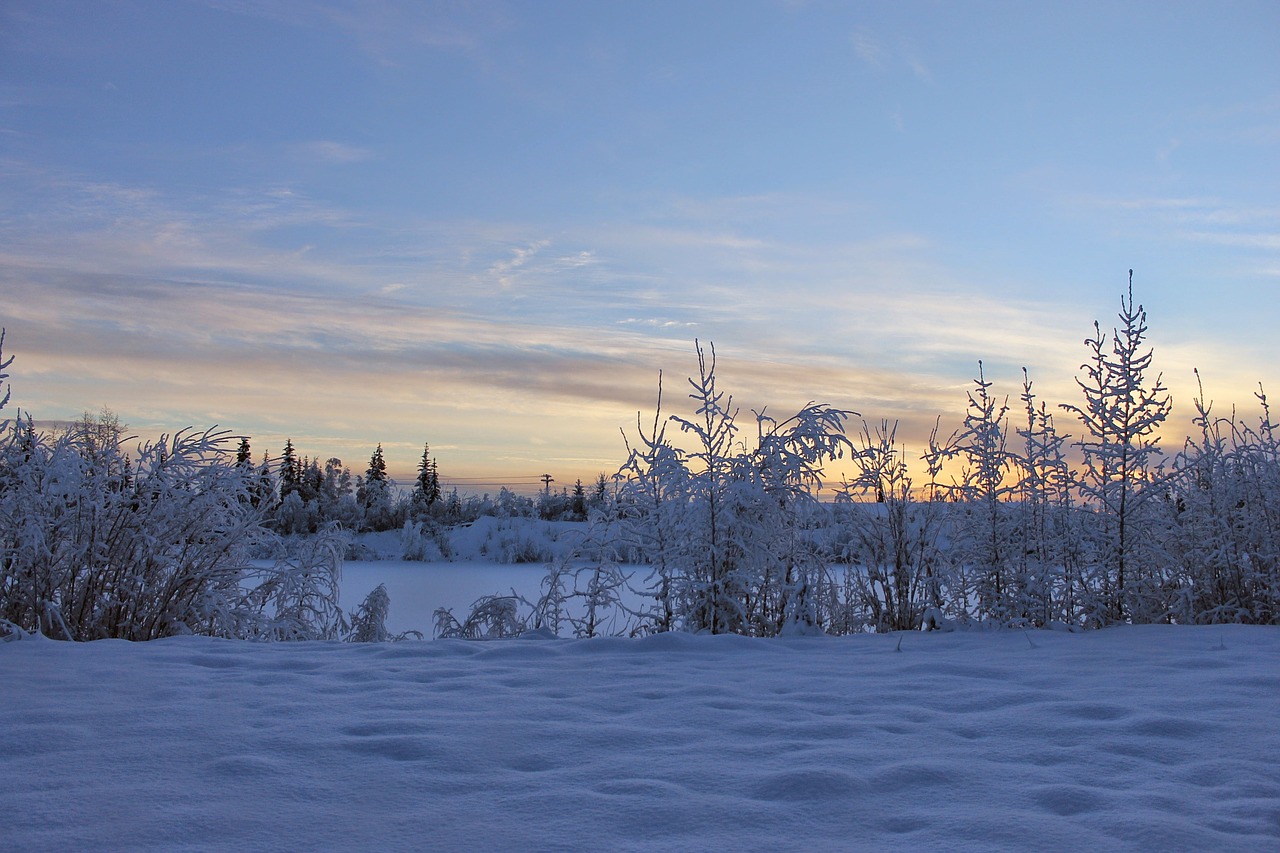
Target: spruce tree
(426,489)
(1121,414)
(377,471)
(374,493)
(290,470)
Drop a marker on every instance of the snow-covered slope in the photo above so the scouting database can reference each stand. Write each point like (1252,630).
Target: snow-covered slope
(1146,738)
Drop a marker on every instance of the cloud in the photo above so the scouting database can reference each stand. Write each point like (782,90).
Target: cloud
(1198,219)
(869,48)
(334,153)
(387,31)
(918,68)
(873,51)
(505,270)
(268,311)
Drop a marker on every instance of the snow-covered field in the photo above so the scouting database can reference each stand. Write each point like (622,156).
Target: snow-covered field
(1140,738)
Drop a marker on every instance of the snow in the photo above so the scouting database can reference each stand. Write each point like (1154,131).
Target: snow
(1142,738)
(417,589)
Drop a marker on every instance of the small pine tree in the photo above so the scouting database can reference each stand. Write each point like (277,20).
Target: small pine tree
(1121,414)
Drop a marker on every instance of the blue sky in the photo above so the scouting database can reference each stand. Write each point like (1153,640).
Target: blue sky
(489,225)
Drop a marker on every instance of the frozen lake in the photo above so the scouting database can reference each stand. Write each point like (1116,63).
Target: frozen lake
(417,589)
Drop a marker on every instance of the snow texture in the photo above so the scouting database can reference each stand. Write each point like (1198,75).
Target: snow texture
(1129,738)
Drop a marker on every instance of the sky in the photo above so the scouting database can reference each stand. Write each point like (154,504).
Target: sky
(489,225)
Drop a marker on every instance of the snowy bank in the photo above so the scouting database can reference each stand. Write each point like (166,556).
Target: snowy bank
(1142,738)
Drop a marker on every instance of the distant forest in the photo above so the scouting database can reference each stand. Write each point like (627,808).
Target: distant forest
(712,523)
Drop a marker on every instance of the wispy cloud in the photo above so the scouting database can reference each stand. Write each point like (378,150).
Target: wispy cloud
(881,56)
(869,48)
(385,30)
(331,152)
(488,335)
(505,271)
(1199,219)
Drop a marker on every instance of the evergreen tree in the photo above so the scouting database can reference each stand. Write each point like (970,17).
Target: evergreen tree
(1045,512)
(1121,414)
(264,485)
(290,470)
(983,529)
(426,489)
(244,458)
(374,493)
(311,483)
(377,471)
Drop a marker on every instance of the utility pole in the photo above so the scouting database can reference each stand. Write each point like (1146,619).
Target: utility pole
(547,480)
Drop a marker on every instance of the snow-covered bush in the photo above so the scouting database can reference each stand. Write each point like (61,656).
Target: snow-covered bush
(720,523)
(369,621)
(1223,534)
(95,545)
(492,617)
(97,542)
(423,541)
(896,573)
(297,598)
(513,541)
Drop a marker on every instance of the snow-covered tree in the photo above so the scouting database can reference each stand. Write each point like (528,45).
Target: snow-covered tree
(1047,518)
(1121,414)
(374,493)
(1224,535)
(720,523)
(982,519)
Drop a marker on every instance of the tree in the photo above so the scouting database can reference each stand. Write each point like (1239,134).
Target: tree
(263,489)
(374,493)
(426,488)
(982,532)
(244,458)
(290,475)
(894,580)
(1045,517)
(721,524)
(1224,508)
(1120,415)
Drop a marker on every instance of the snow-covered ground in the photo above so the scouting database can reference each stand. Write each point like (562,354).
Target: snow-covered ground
(1139,738)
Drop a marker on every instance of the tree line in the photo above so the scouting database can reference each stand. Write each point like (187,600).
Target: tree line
(711,524)
(1035,527)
